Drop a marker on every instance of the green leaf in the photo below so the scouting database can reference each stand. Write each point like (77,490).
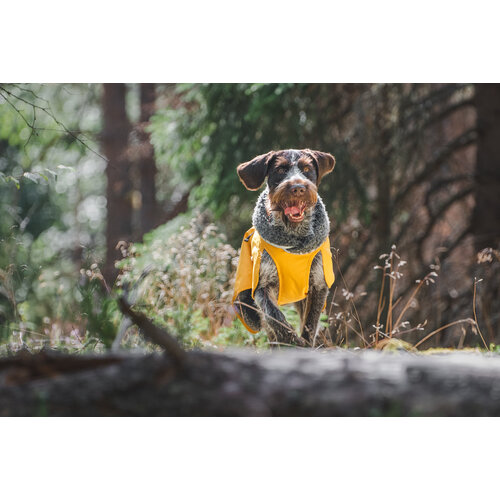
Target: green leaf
(51,172)
(10,178)
(32,177)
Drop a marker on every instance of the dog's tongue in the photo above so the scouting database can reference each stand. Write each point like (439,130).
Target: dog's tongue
(295,211)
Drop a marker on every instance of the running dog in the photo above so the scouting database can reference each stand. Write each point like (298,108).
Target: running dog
(285,257)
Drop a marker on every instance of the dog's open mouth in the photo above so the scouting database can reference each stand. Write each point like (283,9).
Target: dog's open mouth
(295,212)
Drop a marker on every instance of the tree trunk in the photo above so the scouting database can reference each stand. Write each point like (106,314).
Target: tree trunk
(147,166)
(485,224)
(486,216)
(246,383)
(116,130)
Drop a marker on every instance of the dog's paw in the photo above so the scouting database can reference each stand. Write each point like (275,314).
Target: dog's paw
(299,341)
(290,340)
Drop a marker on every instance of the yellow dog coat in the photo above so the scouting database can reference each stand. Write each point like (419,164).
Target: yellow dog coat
(293,269)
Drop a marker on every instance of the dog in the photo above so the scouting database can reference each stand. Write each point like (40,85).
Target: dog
(285,257)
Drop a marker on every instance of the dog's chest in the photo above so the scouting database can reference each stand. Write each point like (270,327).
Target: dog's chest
(269,278)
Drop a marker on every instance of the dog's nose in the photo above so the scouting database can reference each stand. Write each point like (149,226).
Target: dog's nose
(298,189)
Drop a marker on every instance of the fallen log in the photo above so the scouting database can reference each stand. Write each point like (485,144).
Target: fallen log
(294,382)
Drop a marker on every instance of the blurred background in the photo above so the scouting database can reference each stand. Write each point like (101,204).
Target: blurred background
(145,174)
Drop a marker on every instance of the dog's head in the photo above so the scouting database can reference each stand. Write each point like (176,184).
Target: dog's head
(293,176)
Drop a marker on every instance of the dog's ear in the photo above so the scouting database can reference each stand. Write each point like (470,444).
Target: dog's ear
(253,173)
(325,162)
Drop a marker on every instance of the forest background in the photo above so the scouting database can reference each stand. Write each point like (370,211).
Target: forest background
(145,174)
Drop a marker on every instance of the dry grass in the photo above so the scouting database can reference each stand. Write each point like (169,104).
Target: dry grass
(190,289)
(383,336)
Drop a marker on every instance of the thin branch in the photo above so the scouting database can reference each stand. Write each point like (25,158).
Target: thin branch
(153,333)
(415,128)
(445,182)
(23,89)
(17,110)
(47,110)
(351,260)
(356,315)
(409,301)
(449,248)
(427,337)
(475,315)
(438,95)
(437,216)
(441,115)
(460,142)
(438,185)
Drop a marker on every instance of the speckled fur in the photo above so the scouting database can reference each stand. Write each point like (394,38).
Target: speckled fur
(305,238)
(300,238)
(309,309)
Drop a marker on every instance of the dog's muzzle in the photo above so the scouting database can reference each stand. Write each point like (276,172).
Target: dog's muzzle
(294,197)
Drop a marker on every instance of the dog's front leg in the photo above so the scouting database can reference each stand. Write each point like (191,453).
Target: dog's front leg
(314,305)
(277,327)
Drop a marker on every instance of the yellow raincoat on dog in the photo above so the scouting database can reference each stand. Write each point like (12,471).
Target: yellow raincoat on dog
(293,269)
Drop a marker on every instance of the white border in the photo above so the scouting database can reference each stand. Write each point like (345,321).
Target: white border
(266,41)
(248,458)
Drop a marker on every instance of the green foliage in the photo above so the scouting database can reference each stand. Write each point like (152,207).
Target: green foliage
(220,126)
(215,127)
(53,205)
(52,210)
(100,312)
(183,278)
(237,335)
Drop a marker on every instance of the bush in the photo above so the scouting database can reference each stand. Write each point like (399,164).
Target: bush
(187,281)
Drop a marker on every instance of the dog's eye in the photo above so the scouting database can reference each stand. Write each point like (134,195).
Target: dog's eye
(306,169)
(281,170)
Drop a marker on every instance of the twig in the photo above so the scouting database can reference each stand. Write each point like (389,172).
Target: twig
(409,301)
(380,306)
(391,297)
(438,214)
(49,112)
(352,302)
(444,255)
(153,333)
(474,311)
(462,141)
(466,320)
(403,332)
